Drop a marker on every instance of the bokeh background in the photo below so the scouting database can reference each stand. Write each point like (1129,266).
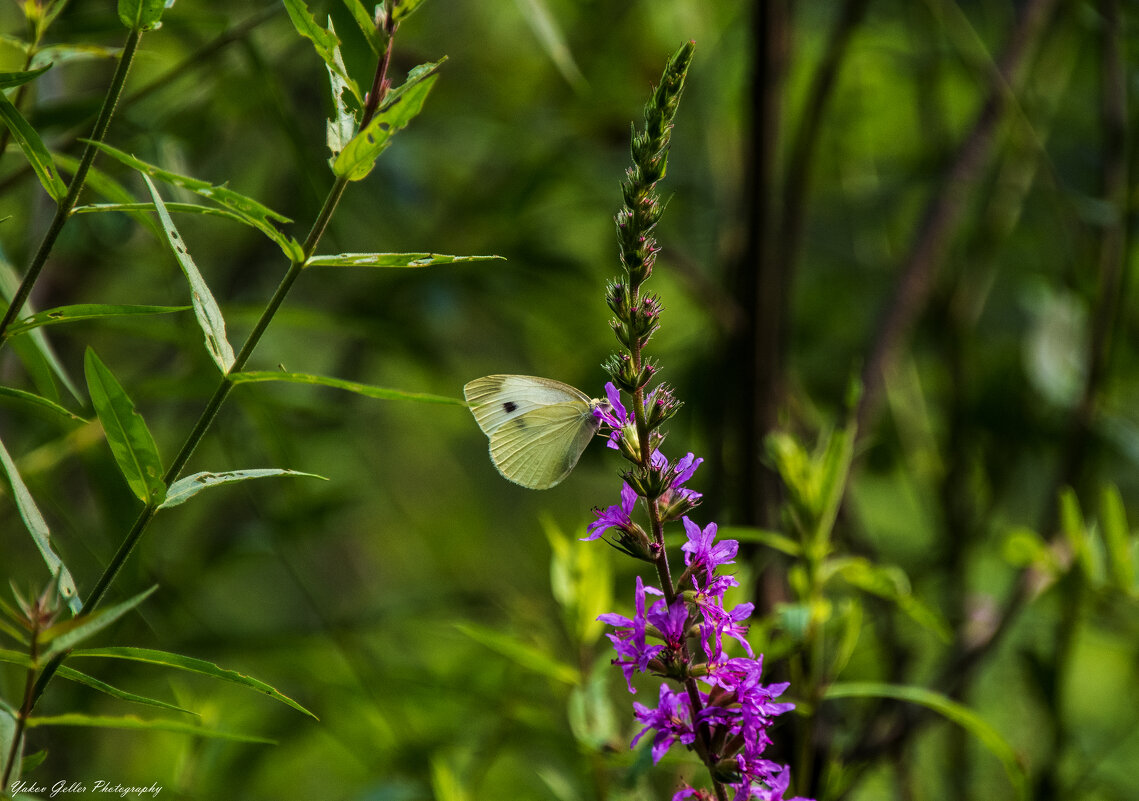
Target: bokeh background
(408,600)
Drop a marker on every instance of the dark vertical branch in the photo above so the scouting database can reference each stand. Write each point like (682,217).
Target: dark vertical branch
(797,183)
(946,206)
(758,348)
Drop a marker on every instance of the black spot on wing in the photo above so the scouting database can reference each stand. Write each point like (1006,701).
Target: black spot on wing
(509,406)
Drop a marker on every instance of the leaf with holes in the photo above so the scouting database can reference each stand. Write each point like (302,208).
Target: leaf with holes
(399,108)
(205,307)
(34,149)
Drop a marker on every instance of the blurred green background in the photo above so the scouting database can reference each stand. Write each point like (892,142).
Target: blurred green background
(407,601)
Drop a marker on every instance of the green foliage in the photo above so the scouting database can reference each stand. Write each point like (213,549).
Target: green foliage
(127,434)
(443,624)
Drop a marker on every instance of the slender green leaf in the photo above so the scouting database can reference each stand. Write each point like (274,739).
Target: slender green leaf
(32,761)
(143,15)
(381,393)
(139,724)
(71,674)
(834,470)
(390,259)
(889,582)
(179,208)
(772,539)
(193,665)
(405,8)
(130,440)
(522,654)
(40,402)
(87,311)
(342,126)
(66,635)
(34,149)
(553,41)
(964,717)
(249,210)
(1075,530)
(41,535)
(7,736)
(1116,539)
(399,108)
(325,42)
(34,349)
(205,307)
(106,186)
(185,488)
(10,79)
(62,53)
(367,24)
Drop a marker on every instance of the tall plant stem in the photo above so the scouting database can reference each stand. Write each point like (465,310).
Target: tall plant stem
(213,406)
(64,207)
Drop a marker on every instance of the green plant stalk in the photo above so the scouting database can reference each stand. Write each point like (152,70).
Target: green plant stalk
(213,406)
(64,208)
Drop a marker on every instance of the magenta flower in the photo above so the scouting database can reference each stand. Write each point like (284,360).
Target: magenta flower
(633,653)
(672,720)
(618,516)
(703,553)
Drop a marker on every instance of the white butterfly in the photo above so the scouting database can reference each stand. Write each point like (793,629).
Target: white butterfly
(538,427)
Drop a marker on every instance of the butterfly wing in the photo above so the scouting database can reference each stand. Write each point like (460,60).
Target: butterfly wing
(498,399)
(538,448)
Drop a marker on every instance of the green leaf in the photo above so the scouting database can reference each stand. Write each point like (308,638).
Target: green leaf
(553,41)
(181,208)
(10,79)
(34,349)
(41,535)
(62,53)
(889,582)
(34,149)
(522,654)
(325,42)
(399,108)
(87,311)
(71,674)
(582,583)
(367,25)
(405,8)
(964,717)
(381,393)
(39,401)
(98,181)
(66,635)
(205,307)
(1116,539)
(138,724)
(142,15)
(772,539)
(192,665)
(130,440)
(7,738)
(342,126)
(1076,532)
(247,209)
(185,488)
(390,260)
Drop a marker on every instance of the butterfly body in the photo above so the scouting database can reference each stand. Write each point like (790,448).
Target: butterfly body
(538,427)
